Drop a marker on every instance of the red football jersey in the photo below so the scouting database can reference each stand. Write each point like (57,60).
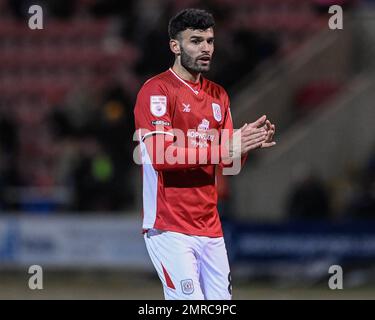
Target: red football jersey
(181,199)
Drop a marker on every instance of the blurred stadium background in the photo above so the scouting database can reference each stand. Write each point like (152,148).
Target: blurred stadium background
(70,193)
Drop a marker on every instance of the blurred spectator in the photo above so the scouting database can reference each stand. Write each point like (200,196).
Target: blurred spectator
(362,203)
(309,198)
(9,144)
(8,135)
(75,117)
(246,50)
(1,182)
(113,123)
(154,45)
(114,128)
(152,38)
(102,134)
(94,180)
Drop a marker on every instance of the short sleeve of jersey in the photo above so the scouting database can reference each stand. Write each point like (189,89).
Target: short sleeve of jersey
(227,124)
(152,110)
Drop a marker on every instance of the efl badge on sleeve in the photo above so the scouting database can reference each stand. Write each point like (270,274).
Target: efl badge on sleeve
(216,111)
(158,105)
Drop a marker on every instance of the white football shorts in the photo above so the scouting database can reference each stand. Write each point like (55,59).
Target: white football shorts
(190,267)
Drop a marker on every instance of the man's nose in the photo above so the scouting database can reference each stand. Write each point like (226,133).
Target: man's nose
(206,47)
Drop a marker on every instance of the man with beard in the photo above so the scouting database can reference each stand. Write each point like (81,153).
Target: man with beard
(180,115)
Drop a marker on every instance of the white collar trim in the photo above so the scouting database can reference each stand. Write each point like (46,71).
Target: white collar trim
(184,82)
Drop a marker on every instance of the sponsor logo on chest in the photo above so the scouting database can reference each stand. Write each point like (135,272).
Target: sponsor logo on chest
(204,125)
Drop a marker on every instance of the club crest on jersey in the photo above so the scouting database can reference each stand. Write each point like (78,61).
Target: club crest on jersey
(187,286)
(158,105)
(204,125)
(216,111)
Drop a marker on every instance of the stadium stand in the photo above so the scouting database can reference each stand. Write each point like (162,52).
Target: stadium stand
(85,48)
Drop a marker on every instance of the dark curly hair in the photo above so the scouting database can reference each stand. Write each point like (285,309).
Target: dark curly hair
(196,19)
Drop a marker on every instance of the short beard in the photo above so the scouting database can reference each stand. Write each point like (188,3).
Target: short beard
(191,65)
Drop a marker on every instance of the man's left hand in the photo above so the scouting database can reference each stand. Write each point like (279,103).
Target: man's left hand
(270,133)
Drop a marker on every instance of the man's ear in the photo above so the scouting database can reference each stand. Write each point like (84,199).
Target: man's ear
(174,44)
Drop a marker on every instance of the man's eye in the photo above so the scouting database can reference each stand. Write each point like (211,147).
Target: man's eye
(195,41)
